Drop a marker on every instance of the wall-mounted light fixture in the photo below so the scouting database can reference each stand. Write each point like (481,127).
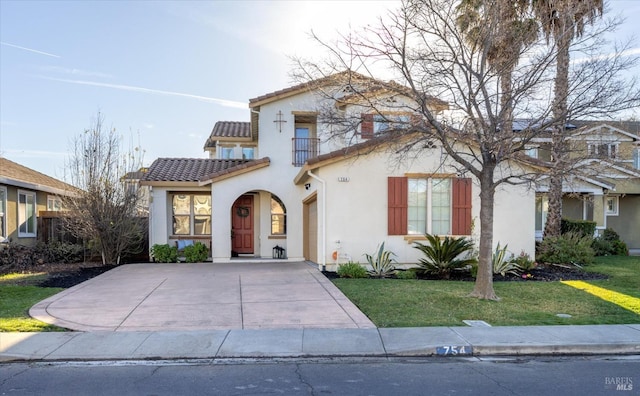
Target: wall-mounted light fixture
(307,186)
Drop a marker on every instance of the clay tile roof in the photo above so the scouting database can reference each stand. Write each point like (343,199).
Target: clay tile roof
(228,129)
(188,169)
(12,172)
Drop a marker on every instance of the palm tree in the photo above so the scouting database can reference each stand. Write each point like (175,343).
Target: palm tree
(500,29)
(561,21)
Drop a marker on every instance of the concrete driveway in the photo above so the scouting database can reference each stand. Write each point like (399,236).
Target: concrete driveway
(203,296)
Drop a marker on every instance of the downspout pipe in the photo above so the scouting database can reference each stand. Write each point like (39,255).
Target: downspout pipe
(323,261)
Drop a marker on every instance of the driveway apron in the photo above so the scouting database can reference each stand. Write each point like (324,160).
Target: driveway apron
(203,296)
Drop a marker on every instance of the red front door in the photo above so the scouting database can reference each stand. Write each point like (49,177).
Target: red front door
(242,225)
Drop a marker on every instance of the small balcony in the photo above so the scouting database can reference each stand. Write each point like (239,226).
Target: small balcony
(303,149)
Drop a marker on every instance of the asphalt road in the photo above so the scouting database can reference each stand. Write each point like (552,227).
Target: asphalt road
(433,376)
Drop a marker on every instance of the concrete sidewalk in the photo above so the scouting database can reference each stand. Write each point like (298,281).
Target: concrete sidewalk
(308,343)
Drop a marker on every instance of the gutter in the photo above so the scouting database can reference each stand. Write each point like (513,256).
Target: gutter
(323,265)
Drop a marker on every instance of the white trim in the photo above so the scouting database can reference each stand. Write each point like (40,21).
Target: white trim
(593,128)
(3,213)
(21,216)
(616,206)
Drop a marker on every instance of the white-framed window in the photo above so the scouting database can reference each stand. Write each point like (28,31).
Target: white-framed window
(248,152)
(278,217)
(636,158)
(3,213)
(54,204)
(226,152)
(602,150)
(191,214)
(27,216)
(382,123)
(612,206)
(429,206)
(542,208)
(531,151)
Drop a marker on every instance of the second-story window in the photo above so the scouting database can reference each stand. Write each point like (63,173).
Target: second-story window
(373,124)
(248,153)
(226,152)
(602,150)
(305,142)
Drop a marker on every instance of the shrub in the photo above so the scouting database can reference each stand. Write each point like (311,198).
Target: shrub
(502,265)
(406,274)
(582,227)
(381,263)
(196,253)
(352,270)
(609,244)
(524,261)
(60,252)
(569,248)
(15,258)
(442,257)
(164,253)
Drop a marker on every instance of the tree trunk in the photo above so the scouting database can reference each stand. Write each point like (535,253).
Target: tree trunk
(558,144)
(483,288)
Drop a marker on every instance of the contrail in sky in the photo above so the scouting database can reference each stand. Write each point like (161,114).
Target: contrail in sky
(29,49)
(221,102)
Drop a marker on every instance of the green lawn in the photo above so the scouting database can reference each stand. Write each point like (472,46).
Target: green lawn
(409,303)
(17,295)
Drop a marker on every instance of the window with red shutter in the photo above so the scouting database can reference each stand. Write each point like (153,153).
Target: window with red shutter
(397,205)
(461,202)
(366,126)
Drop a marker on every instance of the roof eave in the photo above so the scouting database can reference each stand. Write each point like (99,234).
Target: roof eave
(235,171)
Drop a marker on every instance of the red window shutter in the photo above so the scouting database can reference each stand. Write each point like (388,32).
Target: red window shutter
(461,216)
(366,126)
(397,205)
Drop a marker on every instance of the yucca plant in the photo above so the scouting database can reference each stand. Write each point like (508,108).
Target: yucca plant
(444,256)
(381,263)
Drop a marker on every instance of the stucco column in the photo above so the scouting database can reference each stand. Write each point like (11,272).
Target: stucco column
(598,211)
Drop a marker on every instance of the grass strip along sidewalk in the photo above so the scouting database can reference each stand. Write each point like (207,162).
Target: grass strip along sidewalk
(623,300)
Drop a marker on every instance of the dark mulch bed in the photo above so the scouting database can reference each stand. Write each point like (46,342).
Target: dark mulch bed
(72,276)
(543,273)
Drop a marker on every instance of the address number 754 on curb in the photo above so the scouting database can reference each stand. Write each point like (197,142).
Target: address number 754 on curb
(454,350)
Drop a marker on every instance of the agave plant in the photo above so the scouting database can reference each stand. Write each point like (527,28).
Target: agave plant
(444,256)
(502,265)
(381,263)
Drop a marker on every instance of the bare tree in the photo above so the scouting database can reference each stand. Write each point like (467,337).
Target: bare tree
(432,57)
(104,212)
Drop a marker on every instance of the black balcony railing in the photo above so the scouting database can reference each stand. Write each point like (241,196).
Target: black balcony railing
(303,149)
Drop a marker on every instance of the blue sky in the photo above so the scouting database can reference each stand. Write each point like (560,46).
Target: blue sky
(161,70)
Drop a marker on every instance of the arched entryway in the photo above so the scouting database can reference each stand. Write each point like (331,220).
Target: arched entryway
(258,225)
(242,225)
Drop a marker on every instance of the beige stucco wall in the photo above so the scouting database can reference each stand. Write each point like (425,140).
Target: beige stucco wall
(357,209)
(627,222)
(12,214)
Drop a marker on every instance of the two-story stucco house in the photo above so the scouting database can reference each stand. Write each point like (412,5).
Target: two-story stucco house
(607,186)
(282,181)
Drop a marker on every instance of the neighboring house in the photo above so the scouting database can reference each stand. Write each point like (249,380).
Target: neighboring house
(607,186)
(25,196)
(132,183)
(281,181)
